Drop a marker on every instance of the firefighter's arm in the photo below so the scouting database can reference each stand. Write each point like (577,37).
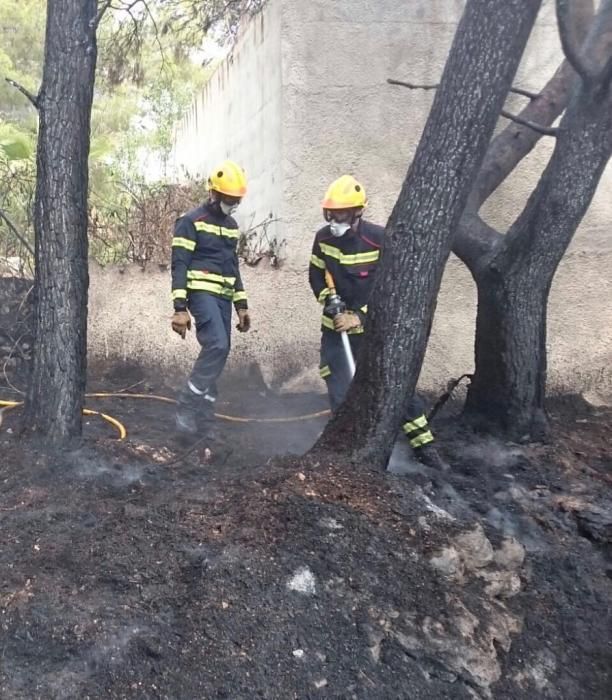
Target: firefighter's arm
(183,245)
(316,274)
(240,300)
(240,296)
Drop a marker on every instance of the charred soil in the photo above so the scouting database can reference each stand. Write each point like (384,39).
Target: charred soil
(248,575)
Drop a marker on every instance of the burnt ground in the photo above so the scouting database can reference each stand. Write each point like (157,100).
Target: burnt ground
(247,575)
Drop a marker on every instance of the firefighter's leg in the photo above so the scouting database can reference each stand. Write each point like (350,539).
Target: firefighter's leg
(419,434)
(334,369)
(212,316)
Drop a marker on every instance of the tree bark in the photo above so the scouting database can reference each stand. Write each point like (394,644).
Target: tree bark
(514,143)
(509,385)
(486,51)
(57,385)
(515,273)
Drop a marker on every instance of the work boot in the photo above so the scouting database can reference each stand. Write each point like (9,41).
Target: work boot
(186,416)
(430,457)
(186,420)
(207,423)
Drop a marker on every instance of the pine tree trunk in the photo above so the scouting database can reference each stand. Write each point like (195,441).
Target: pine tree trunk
(57,385)
(509,385)
(514,277)
(486,51)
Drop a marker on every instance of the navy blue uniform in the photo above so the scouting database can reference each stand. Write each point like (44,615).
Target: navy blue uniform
(206,280)
(352,260)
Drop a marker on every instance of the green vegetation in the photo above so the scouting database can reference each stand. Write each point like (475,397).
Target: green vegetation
(147,76)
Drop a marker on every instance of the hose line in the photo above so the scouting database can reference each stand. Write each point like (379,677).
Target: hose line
(8,405)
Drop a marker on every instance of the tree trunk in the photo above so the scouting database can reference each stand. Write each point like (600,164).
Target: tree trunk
(57,385)
(514,278)
(509,384)
(486,51)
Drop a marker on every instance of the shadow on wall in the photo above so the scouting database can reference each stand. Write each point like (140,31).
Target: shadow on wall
(130,313)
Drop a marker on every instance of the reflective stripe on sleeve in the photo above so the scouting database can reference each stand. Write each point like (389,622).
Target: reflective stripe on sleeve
(317,262)
(204,227)
(348,258)
(179,242)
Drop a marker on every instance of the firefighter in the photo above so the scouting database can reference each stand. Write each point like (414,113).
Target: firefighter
(349,248)
(205,283)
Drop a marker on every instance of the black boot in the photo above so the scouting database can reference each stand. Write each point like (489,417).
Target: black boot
(186,417)
(430,457)
(207,423)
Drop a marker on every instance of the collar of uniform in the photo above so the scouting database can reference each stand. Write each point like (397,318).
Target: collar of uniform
(215,215)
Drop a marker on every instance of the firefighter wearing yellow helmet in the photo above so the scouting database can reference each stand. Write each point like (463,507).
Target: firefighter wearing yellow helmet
(206,283)
(347,250)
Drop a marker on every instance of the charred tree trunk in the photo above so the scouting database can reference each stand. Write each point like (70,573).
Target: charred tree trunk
(57,385)
(509,385)
(514,272)
(486,51)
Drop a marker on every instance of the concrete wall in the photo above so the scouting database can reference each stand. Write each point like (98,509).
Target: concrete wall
(238,115)
(303,98)
(339,113)
(305,88)
(284,340)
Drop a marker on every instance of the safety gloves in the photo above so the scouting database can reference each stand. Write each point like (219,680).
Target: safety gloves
(346,321)
(181,322)
(244,320)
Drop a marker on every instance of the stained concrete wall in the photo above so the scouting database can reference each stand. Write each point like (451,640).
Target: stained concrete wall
(284,339)
(238,115)
(340,115)
(306,89)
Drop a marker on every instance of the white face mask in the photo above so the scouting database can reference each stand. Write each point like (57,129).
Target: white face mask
(339,229)
(228,209)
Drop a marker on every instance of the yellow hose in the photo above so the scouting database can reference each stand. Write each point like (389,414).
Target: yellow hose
(8,405)
(221,416)
(109,419)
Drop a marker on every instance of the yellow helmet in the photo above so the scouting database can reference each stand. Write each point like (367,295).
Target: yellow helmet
(228,178)
(345,193)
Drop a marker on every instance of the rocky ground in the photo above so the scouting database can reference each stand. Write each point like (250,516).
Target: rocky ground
(250,575)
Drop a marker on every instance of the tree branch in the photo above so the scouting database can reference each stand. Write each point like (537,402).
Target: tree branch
(16,233)
(101,12)
(510,146)
(475,242)
(525,93)
(33,98)
(412,86)
(434,86)
(544,130)
(572,53)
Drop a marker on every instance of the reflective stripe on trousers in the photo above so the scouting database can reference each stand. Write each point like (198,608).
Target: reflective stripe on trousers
(213,317)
